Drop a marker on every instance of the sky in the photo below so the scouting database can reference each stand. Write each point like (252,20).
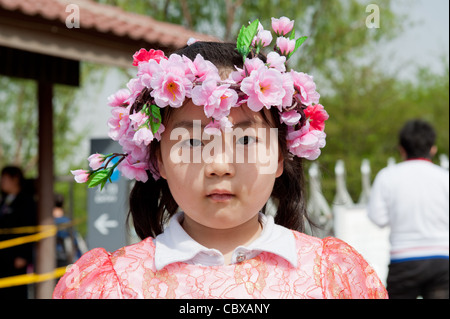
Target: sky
(427,39)
(422,43)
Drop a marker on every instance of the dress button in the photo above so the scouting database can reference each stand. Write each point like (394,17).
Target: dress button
(240,257)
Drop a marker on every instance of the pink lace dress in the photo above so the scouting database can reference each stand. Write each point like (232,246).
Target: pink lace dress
(327,268)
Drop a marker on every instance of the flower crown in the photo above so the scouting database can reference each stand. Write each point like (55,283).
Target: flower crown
(167,81)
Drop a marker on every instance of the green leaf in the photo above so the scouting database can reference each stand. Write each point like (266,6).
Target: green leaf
(298,43)
(100,177)
(245,38)
(155,121)
(292,36)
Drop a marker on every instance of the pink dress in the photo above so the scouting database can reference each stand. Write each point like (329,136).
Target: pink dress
(327,268)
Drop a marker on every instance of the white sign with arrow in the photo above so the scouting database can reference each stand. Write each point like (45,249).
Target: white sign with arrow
(102,223)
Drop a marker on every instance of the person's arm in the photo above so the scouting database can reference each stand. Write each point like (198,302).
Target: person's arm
(377,208)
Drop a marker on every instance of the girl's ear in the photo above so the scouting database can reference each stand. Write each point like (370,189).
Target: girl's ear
(280,166)
(161,168)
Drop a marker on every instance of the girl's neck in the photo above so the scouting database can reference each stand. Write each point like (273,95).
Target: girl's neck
(224,240)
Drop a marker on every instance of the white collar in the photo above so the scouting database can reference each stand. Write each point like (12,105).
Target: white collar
(175,245)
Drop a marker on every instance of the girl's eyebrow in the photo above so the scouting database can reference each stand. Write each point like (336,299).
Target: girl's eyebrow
(186,124)
(190,124)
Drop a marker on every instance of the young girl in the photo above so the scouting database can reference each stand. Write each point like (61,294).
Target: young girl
(210,134)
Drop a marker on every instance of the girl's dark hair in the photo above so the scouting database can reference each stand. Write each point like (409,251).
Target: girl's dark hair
(152,204)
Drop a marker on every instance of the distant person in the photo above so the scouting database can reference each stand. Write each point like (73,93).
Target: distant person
(17,209)
(67,244)
(412,198)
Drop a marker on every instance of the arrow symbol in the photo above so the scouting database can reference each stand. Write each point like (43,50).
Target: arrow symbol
(102,224)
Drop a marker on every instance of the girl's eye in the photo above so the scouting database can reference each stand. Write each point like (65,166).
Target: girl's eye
(193,142)
(246,140)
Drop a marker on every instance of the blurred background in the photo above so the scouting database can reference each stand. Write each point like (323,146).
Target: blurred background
(373,74)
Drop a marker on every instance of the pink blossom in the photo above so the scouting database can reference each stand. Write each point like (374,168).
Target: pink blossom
(317,117)
(118,123)
(305,143)
(80,175)
(148,68)
(252,64)
(144,56)
(202,69)
(96,161)
(262,38)
(282,26)
(134,170)
(305,88)
(135,86)
(285,45)
(119,98)
(171,85)
(143,136)
(288,86)
(138,119)
(129,146)
(217,100)
(276,61)
(264,87)
(290,117)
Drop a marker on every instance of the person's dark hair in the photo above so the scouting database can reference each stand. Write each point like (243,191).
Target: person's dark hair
(152,204)
(14,172)
(417,137)
(59,200)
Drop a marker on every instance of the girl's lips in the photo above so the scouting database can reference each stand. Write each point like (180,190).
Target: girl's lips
(220,195)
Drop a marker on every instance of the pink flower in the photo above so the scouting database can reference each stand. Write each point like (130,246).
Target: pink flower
(134,170)
(217,100)
(317,117)
(285,45)
(263,38)
(144,56)
(290,117)
(138,119)
(288,86)
(305,88)
(171,84)
(143,136)
(305,143)
(276,61)
(119,98)
(264,87)
(129,146)
(252,64)
(96,161)
(118,123)
(202,69)
(81,176)
(282,26)
(148,68)
(135,86)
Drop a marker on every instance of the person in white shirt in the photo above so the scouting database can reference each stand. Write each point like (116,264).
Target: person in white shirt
(412,198)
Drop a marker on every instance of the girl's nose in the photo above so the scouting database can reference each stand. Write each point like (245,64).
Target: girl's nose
(219,166)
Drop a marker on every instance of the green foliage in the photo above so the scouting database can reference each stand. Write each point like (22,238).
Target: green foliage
(245,38)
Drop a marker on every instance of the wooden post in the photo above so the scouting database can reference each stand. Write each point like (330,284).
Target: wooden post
(45,254)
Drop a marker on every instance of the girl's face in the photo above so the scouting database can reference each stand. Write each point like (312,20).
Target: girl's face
(220,182)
